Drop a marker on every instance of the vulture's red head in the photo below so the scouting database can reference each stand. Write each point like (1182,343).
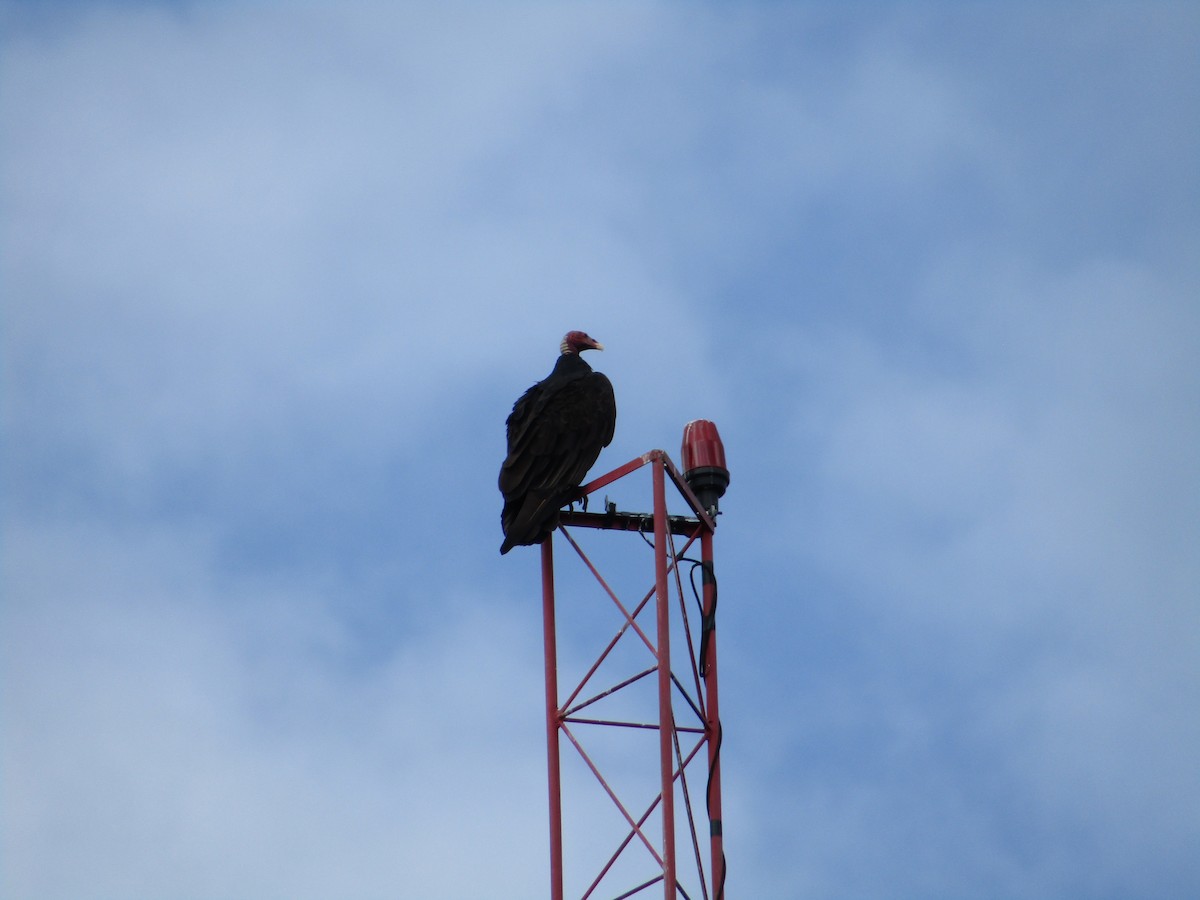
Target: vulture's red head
(574,341)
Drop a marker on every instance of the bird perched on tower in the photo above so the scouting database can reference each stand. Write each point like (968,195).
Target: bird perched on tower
(555,432)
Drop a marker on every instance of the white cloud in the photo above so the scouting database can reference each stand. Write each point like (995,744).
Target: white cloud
(174,736)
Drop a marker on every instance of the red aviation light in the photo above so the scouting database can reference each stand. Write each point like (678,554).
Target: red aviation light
(704,463)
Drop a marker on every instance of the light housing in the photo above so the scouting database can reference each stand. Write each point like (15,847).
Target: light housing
(704,463)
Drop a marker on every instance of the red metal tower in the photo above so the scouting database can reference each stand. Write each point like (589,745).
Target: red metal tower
(677,656)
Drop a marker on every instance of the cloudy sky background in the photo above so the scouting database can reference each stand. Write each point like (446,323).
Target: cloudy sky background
(273,275)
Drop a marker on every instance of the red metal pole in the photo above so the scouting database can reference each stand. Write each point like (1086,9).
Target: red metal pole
(666,722)
(553,720)
(713,726)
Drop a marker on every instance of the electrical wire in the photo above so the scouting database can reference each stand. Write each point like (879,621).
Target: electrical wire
(708,625)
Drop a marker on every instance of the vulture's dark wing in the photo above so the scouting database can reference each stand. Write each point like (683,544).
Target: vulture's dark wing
(555,432)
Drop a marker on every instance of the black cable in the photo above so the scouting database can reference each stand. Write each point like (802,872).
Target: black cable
(708,624)
(642,533)
(712,770)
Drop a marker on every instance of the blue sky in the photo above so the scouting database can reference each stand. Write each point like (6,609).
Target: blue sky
(273,276)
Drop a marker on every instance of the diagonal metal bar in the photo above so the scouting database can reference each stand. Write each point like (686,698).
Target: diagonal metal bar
(641,887)
(683,693)
(646,815)
(620,472)
(612,795)
(629,619)
(612,690)
(686,621)
(648,457)
(658,798)
(616,853)
(691,819)
(686,490)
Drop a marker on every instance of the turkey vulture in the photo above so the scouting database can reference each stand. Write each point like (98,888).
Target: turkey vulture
(555,432)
